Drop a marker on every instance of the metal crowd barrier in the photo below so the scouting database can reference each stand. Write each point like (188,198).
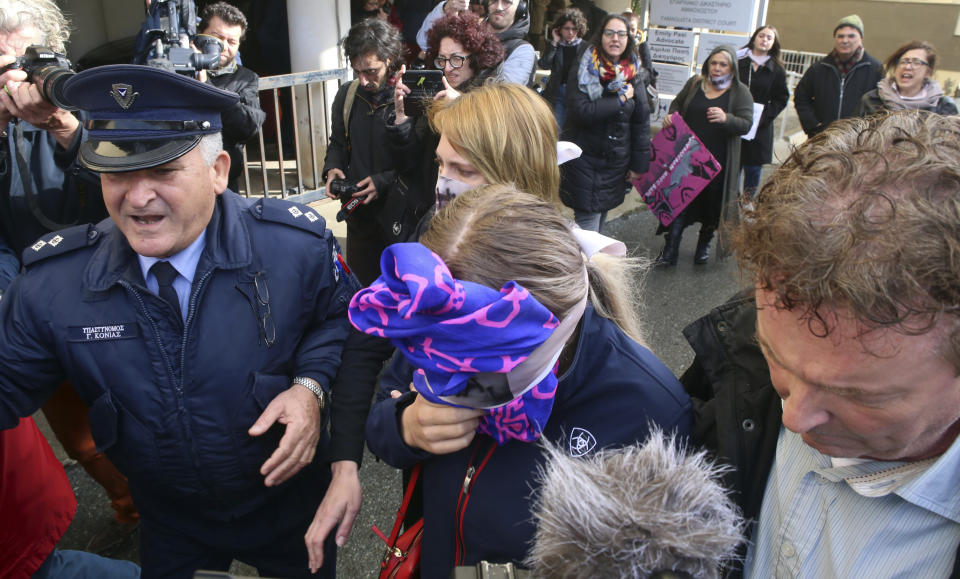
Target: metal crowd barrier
(304,174)
(798,62)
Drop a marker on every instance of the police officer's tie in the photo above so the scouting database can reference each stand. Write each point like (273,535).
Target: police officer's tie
(165,274)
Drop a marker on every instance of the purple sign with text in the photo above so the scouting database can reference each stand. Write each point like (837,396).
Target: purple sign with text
(680,168)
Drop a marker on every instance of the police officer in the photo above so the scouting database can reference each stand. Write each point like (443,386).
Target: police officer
(202,329)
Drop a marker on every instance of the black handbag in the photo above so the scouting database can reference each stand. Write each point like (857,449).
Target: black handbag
(397,218)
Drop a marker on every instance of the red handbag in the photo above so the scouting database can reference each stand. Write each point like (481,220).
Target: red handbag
(402,559)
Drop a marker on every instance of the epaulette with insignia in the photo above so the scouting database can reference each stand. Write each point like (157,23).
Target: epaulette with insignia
(289,213)
(60,242)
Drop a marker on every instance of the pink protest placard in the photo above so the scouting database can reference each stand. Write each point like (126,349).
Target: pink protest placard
(680,168)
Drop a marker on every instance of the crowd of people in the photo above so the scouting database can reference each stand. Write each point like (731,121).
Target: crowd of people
(217,364)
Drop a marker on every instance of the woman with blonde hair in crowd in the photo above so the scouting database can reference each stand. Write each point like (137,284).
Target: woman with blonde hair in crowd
(509,333)
(499,133)
(469,54)
(909,84)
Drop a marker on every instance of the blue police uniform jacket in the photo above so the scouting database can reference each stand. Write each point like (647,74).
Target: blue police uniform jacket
(611,394)
(171,401)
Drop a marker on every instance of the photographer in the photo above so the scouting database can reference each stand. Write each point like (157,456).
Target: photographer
(356,155)
(227,24)
(43,188)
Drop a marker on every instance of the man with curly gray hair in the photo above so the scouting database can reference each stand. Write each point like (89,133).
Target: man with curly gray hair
(833,386)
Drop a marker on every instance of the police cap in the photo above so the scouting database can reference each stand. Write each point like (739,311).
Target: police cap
(141,116)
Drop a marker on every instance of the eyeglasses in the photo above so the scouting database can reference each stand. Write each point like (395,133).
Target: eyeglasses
(618,33)
(912,62)
(456,61)
(569,29)
(268,330)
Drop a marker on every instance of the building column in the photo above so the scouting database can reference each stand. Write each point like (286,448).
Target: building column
(315,30)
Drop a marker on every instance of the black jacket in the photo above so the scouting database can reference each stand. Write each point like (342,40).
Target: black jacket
(553,58)
(614,137)
(768,85)
(737,413)
(364,153)
(241,121)
(823,96)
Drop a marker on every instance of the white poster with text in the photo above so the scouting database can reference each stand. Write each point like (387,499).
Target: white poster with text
(730,15)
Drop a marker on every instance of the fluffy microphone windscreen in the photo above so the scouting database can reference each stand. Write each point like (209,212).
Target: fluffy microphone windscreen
(633,512)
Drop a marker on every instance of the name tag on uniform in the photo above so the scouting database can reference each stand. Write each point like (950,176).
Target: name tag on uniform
(100,333)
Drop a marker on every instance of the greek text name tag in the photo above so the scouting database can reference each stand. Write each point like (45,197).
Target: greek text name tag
(102,332)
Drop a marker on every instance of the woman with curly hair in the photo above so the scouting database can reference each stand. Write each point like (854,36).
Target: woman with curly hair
(469,53)
(608,117)
(568,31)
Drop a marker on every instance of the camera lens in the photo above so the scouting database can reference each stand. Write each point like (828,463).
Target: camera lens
(51,80)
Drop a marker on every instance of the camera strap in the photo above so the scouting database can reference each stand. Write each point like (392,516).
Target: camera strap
(26,179)
(347,109)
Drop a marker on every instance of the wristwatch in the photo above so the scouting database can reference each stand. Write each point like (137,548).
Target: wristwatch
(313,386)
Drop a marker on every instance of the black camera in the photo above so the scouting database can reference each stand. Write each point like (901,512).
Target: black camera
(344,190)
(48,70)
(171,25)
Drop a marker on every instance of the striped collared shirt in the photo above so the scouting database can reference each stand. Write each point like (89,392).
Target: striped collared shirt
(864,519)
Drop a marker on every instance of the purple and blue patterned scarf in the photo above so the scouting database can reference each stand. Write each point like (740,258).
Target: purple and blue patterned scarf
(452,330)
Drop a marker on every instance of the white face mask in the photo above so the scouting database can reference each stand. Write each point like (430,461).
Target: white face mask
(448,188)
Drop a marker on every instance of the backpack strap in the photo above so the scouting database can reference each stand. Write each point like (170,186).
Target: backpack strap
(348,106)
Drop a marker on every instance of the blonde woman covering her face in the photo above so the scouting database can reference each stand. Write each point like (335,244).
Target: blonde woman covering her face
(488,237)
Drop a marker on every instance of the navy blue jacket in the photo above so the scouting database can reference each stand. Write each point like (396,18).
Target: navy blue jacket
(608,397)
(171,408)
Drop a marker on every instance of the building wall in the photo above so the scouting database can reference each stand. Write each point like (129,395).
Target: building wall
(95,22)
(808,25)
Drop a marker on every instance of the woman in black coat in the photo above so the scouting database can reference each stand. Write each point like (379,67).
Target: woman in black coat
(560,56)
(761,70)
(607,117)
(718,109)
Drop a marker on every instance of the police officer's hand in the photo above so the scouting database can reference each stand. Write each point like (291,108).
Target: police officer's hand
(367,190)
(296,408)
(400,91)
(331,175)
(341,503)
(437,428)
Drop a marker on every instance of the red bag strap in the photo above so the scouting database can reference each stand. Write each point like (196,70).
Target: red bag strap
(402,511)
